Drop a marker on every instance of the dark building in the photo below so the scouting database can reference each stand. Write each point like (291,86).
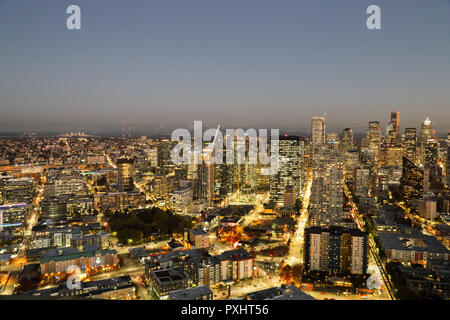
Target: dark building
(412,180)
(120,288)
(196,293)
(410,144)
(289,172)
(164,281)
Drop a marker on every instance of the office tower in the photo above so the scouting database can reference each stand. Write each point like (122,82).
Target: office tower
(448,154)
(431,155)
(393,127)
(395,120)
(410,144)
(426,133)
(327,186)
(351,161)
(224,179)
(13,216)
(164,157)
(374,137)
(289,196)
(152,156)
(205,178)
(427,207)
(125,167)
(332,139)
(394,154)
(182,200)
(362,181)
(318,131)
(336,250)
(290,163)
(426,130)
(412,179)
(18,190)
(347,140)
(65,181)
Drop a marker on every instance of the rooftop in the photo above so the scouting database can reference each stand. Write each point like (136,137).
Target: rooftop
(284,292)
(190,293)
(412,242)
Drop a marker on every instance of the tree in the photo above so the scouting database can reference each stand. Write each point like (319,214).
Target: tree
(286,274)
(297,272)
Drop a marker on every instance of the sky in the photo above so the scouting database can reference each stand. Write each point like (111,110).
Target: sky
(154,65)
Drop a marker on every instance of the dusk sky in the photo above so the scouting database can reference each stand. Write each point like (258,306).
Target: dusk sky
(238,63)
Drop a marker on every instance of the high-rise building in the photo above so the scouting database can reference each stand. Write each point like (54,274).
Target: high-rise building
(332,139)
(347,140)
(427,207)
(182,200)
(318,131)
(448,155)
(13,216)
(412,180)
(289,173)
(393,127)
(327,186)
(426,133)
(289,196)
(410,144)
(125,167)
(362,181)
(431,155)
(394,154)
(18,190)
(351,161)
(335,250)
(374,137)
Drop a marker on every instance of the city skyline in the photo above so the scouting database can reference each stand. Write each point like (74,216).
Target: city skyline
(158,66)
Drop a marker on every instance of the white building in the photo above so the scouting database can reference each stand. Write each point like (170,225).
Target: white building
(182,199)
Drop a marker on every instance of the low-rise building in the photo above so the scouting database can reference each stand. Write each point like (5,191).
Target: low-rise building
(412,248)
(197,238)
(284,292)
(236,265)
(164,281)
(195,293)
(118,288)
(59,260)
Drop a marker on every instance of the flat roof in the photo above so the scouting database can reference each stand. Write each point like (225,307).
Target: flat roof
(284,292)
(190,293)
(412,242)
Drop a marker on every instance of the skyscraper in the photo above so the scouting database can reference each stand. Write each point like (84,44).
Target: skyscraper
(125,167)
(327,186)
(317,131)
(448,154)
(394,126)
(290,162)
(426,133)
(374,137)
(412,180)
(336,250)
(431,156)
(410,144)
(347,139)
